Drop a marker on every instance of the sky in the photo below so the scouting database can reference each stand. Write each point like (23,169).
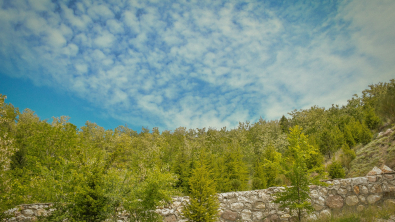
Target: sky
(186,63)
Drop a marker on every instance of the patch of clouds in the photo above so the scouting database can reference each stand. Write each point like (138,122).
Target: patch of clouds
(200,64)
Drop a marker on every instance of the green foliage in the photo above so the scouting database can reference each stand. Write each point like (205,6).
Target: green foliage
(267,168)
(347,156)
(284,124)
(371,119)
(336,170)
(203,202)
(387,102)
(296,197)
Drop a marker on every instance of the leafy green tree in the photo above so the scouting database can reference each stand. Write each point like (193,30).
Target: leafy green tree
(203,201)
(296,197)
(267,168)
(371,119)
(144,196)
(231,170)
(300,158)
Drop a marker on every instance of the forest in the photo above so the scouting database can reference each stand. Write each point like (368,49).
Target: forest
(90,172)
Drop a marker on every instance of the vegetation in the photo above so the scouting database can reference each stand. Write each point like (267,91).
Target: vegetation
(55,161)
(371,213)
(296,197)
(203,205)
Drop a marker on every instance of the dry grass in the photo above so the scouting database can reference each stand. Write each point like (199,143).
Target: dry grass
(379,151)
(371,214)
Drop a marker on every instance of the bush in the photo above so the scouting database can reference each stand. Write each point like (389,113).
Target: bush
(336,170)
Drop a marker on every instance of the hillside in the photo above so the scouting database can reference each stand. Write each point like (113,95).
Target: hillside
(379,151)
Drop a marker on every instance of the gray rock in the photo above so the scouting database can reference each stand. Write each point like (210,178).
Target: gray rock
(352,200)
(246,214)
(373,198)
(334,201)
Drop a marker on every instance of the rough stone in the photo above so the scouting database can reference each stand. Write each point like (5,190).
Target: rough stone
(372,178)
(334,201)
(352,200)
(314,194)
(376,188)
(41,212)
(342,191)
(236,206)
(359,180)
(389,176)
(318,207)
(246,214)
(364,190)
(325,214)
(259,205)
(362,198)
(28,212)
(373,198)
(374,171)
(386,169)
(257,215)
(356,189)
(229,215)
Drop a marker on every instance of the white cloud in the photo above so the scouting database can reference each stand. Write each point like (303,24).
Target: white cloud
(200,64)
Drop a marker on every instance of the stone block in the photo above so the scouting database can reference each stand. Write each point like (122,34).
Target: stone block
(334,201)
(364,190)
(389,176)
(373,198)
(352,200)
(359,180)
(342,191)
(259,205)
(27,212)
(356,189)
(362,198)
(372,178)
(237,206)
(318,207)
(229,215)
(257,216)
(325,214)
(376,188)
(246,214)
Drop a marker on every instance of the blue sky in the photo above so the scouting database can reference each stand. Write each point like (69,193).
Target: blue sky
(190,63)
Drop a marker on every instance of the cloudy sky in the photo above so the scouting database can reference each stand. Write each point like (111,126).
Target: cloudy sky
(190,63)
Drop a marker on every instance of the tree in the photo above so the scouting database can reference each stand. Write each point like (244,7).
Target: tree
(387,103)
(284,124)
(203,201)
(296,197)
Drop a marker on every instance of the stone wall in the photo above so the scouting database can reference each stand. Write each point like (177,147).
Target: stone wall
(340,195)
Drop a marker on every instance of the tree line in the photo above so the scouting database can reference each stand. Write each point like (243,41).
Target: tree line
(90,172)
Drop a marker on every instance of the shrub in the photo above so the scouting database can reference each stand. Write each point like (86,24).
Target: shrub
(336,170)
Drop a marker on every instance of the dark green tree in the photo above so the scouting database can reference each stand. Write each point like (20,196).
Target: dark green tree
(203,201)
